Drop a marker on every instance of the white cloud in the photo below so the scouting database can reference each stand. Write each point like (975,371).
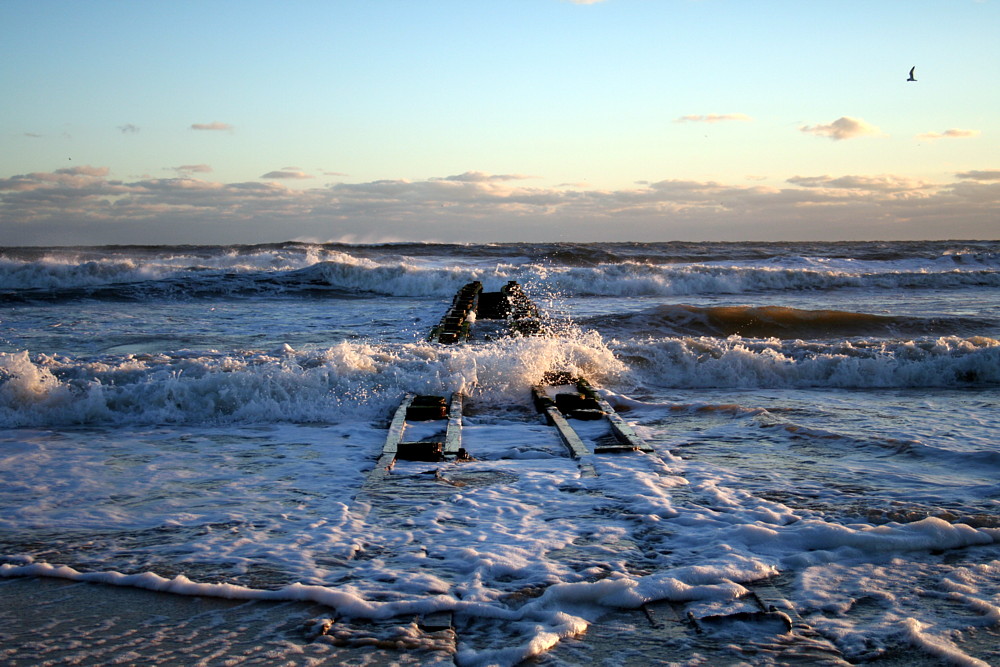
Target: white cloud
(193,169)
(712,118)
(844,127)
(71,178)
(879,183)
(290,173)
(948,134)
(214,126)
(991,175)
(483,177)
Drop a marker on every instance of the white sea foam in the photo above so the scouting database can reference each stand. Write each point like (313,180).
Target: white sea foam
(324,384)
(463,548)
(346,379)
(901,597)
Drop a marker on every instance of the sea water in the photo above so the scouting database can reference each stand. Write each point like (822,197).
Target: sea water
(200,420)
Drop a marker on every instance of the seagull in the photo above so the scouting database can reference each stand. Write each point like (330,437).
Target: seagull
(911,73)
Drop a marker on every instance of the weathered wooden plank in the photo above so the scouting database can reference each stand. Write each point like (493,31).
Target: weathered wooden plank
(453,435)
(667,618)
(397,426)
(770,600)
(436,621)
(569,437)
(622,430)
(391,447)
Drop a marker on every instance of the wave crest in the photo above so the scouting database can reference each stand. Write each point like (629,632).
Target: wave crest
(738,363)
(351,380)
(773,322)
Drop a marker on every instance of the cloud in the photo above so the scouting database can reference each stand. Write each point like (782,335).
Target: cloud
(992,175)
(844,127)
(288,174)
(483,177)
(585,2)
(193,169)
(84,170)
(83,205)
(42,194)
(33,135)
(128,128)
(879,183)
(213,126)
(948,134)
(712,118)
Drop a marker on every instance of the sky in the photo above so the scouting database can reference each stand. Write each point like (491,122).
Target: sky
(253,121)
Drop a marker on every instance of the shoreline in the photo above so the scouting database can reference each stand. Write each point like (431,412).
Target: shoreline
(48,621)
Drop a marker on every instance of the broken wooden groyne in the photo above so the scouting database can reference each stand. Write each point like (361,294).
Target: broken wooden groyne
(565,397)
(428,428)
(476,315)
(487,315)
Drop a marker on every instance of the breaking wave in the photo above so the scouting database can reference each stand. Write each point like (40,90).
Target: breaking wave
(568,272)
(364,379)
(735,362)
(355,380)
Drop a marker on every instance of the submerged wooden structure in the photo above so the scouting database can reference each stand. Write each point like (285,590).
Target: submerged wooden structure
(428,428)
(477,315)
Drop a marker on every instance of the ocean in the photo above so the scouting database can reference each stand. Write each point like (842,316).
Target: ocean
(824,417)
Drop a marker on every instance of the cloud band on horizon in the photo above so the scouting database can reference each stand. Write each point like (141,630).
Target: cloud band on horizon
(82,204)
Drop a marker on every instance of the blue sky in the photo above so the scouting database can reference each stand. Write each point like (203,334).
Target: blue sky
(250,121)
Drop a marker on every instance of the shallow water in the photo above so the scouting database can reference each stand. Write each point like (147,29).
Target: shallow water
(201,420)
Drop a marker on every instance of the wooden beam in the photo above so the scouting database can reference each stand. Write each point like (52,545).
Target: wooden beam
(625,433)
(569,437)
(397,426)
(453,435)
(391,446)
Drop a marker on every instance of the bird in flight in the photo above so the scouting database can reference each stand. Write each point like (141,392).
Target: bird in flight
(911,73)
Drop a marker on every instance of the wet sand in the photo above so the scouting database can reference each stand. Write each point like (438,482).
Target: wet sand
(55,622)
(48,622)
